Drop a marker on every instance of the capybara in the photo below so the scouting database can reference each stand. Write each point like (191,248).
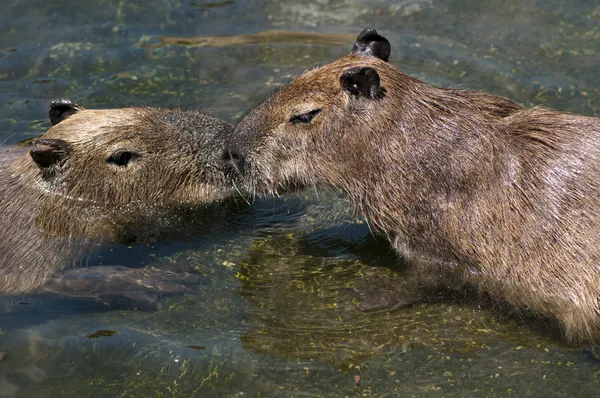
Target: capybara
(109,175)
(470,188)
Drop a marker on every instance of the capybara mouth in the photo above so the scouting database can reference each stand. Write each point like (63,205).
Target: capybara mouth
(258,185)
(268,181)
(264,187)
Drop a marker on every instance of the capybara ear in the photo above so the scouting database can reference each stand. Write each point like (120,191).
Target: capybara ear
(48,152)
(60,109)
(362,82)
(371,44)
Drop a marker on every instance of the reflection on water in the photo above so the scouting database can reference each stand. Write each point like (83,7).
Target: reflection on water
(268,37)
(282,309)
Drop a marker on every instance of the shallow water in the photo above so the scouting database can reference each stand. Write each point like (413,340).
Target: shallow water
(280,309)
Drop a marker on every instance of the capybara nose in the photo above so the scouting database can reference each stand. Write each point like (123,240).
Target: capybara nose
(234,157)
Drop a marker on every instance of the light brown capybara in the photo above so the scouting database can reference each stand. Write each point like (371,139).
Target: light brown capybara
(470,188)
(108,175)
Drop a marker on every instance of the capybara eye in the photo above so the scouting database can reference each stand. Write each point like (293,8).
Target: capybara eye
(122,158)
(306,117)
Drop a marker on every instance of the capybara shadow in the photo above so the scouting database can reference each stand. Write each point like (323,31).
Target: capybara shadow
(469,187)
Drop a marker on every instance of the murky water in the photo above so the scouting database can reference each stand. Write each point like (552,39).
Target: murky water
(281,309)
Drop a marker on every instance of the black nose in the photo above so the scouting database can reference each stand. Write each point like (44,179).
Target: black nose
(234,157)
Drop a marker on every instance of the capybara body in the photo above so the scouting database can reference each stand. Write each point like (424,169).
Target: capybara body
(111,175)
(468,186)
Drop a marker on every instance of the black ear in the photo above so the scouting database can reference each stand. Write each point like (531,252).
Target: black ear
(370,44)
(60,109)
(48,152)
(362,82)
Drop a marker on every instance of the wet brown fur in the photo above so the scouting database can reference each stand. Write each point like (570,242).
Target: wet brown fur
(51,217)
(467,185)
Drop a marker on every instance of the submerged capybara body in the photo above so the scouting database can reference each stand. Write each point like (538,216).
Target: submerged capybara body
(112,175)
(470,187)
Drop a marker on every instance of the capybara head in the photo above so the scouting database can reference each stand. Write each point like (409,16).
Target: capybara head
(323,124)
(305,124)
(118,156)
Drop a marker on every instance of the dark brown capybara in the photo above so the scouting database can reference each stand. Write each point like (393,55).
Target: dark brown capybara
(469,187)
(109,175)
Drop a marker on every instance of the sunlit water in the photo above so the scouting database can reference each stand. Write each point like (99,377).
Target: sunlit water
(280,310)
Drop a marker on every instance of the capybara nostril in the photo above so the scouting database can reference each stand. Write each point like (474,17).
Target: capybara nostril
(225,155)
(235,158)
